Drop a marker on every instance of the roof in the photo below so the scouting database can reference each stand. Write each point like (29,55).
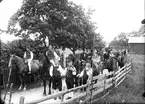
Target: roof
(136,40)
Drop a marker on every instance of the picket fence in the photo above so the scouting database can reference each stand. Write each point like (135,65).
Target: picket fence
(93,89)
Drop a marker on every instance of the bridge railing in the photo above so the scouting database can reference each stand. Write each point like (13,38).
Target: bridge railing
(93,89)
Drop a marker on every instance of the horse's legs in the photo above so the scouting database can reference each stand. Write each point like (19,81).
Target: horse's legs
(21,82)
(50,80)
(44,85)
(24,82)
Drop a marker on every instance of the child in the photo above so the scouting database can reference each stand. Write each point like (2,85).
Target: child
(86,72)
(70,74)
(56,72)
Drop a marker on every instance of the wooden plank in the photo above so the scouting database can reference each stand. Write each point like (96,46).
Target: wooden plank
(10,92)
(74,99)
(102,83)
(4,82)
(102,76)
(122,68)
(98,84)
(122,75)
(55,95)
(119,70)
(88,89)
(122,72)
(21,100)
(120,81)
(101,89)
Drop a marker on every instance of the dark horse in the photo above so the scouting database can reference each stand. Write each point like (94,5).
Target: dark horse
(110,64)
(37,66)
(23,68)
(45,75)
(121,58)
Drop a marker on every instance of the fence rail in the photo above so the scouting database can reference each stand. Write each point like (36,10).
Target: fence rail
(114,81)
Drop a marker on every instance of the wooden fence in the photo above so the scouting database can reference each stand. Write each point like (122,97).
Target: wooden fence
(93,89)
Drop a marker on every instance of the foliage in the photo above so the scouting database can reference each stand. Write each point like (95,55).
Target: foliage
(64,23)
(18,47)
(140,32)
(121,41)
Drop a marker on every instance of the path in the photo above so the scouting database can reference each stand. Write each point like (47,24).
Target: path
(34,94)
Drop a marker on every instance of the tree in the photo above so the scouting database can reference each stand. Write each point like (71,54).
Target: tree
(121,41)
(142,31)
(99,43)
(63,22)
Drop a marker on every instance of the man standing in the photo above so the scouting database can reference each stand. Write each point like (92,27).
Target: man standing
(52,55)
(28,56)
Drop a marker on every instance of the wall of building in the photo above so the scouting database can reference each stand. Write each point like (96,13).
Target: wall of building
(137,48)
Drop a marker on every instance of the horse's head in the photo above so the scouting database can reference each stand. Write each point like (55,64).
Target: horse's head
(113,61)
(12,60)
(15,60)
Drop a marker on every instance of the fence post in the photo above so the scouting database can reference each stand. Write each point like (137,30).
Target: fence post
(126,72)
(104,85)
(88,90)
(62,98)
(4,82)
(113,79)
(10,93)
(21,100)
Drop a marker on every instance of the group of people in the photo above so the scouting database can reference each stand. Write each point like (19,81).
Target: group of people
(64,75)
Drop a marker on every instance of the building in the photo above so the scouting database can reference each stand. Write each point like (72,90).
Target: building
(137,45)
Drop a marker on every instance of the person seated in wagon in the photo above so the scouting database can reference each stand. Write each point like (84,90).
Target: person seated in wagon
(28,56)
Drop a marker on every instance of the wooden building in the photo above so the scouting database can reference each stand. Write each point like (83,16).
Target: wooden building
(137,45)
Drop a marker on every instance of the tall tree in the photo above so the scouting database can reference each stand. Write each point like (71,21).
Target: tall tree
(121,41)
(63,22)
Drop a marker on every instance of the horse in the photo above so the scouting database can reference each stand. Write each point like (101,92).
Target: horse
(45,73)
(121,58)
(23,68)
(110,64)
(41,66)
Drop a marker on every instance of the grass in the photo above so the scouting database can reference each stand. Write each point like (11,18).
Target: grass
(132,88)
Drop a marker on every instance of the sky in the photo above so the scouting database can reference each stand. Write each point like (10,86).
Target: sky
(112,16)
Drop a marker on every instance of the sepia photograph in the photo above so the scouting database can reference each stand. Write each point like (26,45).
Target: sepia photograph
(72,51)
